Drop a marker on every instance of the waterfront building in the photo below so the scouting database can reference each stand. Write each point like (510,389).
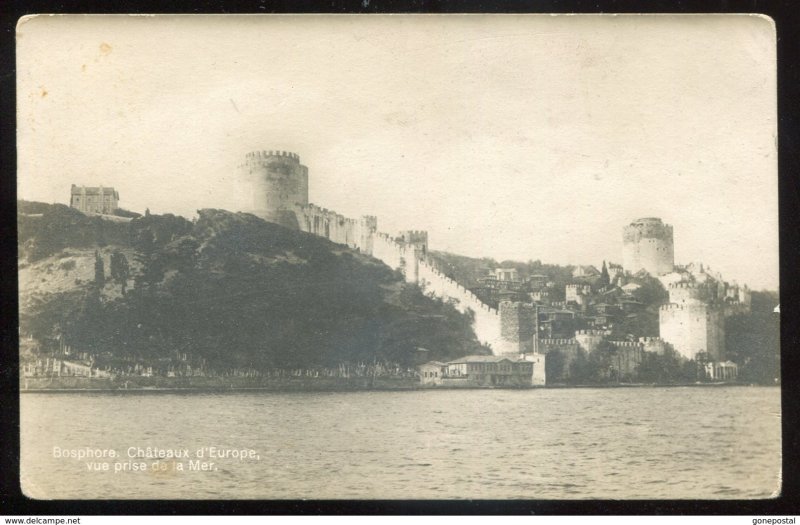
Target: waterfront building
(721,371)
(432,372)
(475,371)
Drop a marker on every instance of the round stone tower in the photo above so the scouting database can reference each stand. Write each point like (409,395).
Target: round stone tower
(276,183)
(647,244)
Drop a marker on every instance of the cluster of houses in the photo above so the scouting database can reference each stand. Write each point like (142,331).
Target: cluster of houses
(583,303)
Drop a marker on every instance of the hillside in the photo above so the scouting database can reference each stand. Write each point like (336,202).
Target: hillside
(469,269)
(227,288)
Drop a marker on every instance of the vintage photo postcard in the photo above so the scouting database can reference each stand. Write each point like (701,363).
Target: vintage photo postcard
(398,257)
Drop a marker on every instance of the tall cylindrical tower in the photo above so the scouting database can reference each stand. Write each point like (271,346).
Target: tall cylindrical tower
(647,244)
(275,183)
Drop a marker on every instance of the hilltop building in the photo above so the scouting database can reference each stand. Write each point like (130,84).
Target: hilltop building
(507,275)
(647,245)
(615,271)
(578,294)
(276,182)
(94,199)
(586,273)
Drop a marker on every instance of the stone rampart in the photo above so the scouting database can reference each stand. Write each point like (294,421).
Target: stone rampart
(688,292)
(355,233)
(487,319)
(568,348)
(548,345)
(408,259)
(627,358)
(275,187)
(654,345)
(589,340)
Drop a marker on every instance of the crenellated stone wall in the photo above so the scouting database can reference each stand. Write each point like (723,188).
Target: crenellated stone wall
(693,328)
(275,187)
(568,348)
(486,319)
(589,340)
(355,233)
(654,345)
(627,357)
(409,259)
(690,293)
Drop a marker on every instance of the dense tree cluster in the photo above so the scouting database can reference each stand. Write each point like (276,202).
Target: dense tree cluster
(239,292)
(753,340)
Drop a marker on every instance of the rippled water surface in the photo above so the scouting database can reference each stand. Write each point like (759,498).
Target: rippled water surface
(493,444)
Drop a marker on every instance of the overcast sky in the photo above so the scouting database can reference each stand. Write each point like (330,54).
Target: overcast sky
(513,137)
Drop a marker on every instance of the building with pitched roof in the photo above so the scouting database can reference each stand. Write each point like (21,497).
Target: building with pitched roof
(94,199)
(475,371)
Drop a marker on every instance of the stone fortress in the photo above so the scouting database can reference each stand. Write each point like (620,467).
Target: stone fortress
(276,187)
(693,321)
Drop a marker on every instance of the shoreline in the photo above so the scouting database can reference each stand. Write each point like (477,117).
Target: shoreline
(305,388)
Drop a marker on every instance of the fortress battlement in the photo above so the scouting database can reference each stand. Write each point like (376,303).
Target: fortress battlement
(274,186)
(627,344)
(647,245)
(277,185)
(515,304)
(683,285)
(593,332)
(265,154)
(671,307)
(558,341)
(313,209)
(692,307)
(648,227)
(273,183)
(674,307)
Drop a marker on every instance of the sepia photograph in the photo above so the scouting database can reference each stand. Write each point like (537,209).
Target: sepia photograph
(398,257)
